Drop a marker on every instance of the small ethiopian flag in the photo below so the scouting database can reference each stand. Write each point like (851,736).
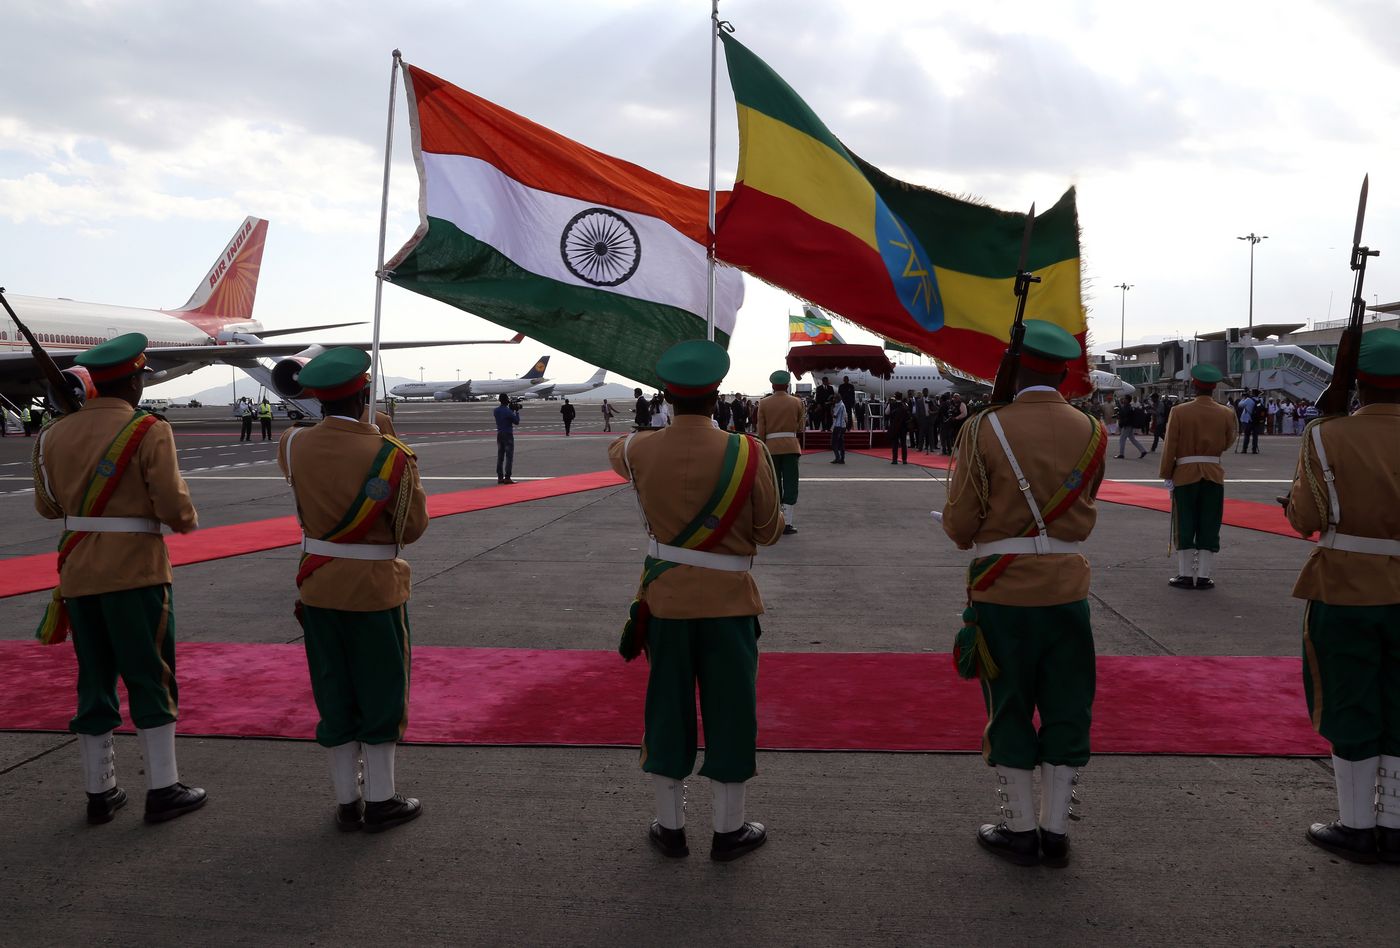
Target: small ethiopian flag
(582,251)
(914,265)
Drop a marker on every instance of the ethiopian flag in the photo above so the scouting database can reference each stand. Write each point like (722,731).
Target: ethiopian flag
(812,327)
(914,265)
(582,251)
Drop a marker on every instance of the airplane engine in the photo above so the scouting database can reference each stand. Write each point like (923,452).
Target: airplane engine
(79,382)
(286,371)
(442,396)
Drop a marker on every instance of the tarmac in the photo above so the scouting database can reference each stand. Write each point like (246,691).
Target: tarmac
(546,846)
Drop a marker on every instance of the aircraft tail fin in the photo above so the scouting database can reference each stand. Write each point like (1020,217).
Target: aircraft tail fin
(537,370)
(598,377)
(227,292)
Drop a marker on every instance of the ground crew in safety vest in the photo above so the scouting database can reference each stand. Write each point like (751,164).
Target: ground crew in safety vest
(1022,499)
(1347,490)
(109,471)
(708,500)
(359,501)
(781,424)
(265,418)
(1198,433)
(27,420)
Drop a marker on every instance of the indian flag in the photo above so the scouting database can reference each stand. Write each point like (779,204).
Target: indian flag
(914,265)
(582,251)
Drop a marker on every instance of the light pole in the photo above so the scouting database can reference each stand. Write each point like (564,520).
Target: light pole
(459,375)
(1253,239)
(420,373)
(1123,318)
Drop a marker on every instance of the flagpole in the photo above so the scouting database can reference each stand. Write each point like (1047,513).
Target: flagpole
(710,251)
(383,226)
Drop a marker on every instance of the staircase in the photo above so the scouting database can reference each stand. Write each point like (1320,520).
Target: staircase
(1289,369)
(821,440)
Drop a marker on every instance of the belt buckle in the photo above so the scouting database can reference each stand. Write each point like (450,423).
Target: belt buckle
(1042,544)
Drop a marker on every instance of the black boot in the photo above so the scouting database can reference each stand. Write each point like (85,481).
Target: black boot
(172,801)
(389,813)
(1388,842)
(670,842)
(350,816)
(1054,849)
(1356,845)
(1182,582)
(1022,848)
(103,806)
(1203,583)
(745,839)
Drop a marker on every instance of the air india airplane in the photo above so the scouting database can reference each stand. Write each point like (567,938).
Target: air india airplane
(215,327)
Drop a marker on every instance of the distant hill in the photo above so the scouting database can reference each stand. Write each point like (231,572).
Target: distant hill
(223,395)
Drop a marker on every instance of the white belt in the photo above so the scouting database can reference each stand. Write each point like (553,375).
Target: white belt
(1198,459)
(1375,546)
(779,434)
(112,524)
(350,551)
(1039,544)
(679,554)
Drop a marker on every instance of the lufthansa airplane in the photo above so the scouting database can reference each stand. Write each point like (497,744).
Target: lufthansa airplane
(461,391)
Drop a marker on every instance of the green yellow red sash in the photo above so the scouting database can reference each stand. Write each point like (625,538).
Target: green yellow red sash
(54,626)
(708,528)
(379,487)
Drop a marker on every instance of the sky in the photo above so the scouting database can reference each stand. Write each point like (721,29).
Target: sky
(135,136)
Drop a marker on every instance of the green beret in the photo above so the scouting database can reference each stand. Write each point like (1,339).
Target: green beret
(335,373)
(1380,355)
(692,368)
(1050,342)
(1206,374)
(116,358)
(780,379)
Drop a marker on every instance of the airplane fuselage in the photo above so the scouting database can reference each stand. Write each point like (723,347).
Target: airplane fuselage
(916,377)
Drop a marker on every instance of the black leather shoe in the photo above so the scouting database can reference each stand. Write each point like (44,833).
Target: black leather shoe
(730,846)
(1388,843)
(670,842)
(507,481)
(172,801)
(1054,849)
(1356,845)
(1205,584)
(350,816)
(1022,848)
(1118,456)
(103,806)
(789,530)
(389,813)
(1182,582)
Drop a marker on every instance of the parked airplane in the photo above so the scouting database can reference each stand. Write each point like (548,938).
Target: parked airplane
(917,377)
(560,389)
(1108,382)
(461,391)
(216,326)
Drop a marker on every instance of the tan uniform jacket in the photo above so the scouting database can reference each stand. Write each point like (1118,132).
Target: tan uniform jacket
(1201,426)
(781,412)
(1364,454)
(329,465)
(676,470)
(1048,437)
(151,487)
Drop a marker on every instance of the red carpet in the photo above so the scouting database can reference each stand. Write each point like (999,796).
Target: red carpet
(26,574)
(807,701)
(1251,515)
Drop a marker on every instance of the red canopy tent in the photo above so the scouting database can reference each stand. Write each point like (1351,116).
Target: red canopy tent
(830,357)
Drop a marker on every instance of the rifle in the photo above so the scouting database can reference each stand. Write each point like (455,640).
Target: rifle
(52,374)
(1337,397)
(1004,389)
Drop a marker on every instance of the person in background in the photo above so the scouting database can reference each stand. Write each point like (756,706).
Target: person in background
(780,429)
(245,418)
(506,420)
(608,412)
(1285,413)
(1250,412)
(847,393)
(839,420)
(897,424)
(1127,416)
(1159,419)
(265,419)
(722,414)
(568,413)
(739,410)
(823,397)
(641,411)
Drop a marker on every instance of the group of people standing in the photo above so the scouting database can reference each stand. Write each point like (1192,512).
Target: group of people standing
(247,411)
(925,423)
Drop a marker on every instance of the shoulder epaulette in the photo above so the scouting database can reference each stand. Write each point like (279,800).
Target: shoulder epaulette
(398,444)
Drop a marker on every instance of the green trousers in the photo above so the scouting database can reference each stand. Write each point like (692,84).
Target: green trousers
(1351,674)
(1046,660)
(129,633)
(1197,510)
(359,663)
(721,656)
(785,467)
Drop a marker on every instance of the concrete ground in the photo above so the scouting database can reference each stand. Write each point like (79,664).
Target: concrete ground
(546,846)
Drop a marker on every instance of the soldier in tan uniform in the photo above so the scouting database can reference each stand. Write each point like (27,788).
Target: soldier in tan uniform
(360,501)
(708,500)
(1198,433)
(781,424)
(110,472)
(1347,489)
(1021,498)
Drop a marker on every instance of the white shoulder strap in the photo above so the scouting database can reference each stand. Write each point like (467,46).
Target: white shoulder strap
(1334,515)
(43,468)
(1021,481)
(287,449)
(631,476)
